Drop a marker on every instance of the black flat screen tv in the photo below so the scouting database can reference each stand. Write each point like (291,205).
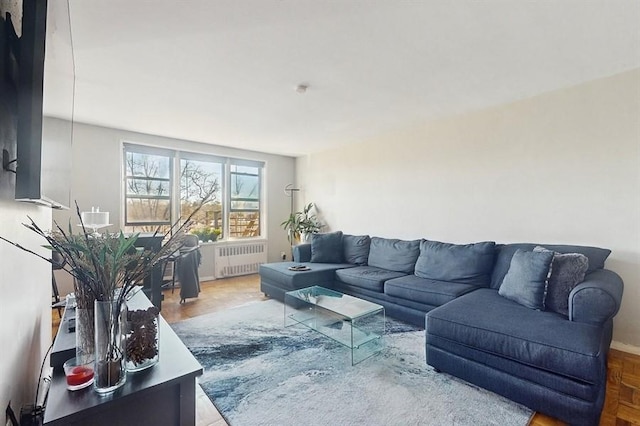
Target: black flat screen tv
(38,69)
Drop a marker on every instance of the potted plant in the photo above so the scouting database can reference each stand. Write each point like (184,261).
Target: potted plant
(205,234)
(300,225)
(106,269)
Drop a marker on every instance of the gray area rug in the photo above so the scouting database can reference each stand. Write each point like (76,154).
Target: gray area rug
(256,372)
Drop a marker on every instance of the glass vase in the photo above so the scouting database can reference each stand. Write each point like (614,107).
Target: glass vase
(84,303)
(110,322)
(143,340)
(85,340)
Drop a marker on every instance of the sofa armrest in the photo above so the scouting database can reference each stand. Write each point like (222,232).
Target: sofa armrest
(597,299)
(302,252)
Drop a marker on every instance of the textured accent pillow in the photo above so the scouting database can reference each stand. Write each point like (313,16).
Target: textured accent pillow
(356,249)
(394,255)
(326,248)
(596,256)
(467,264)
(526,280)
(567,271)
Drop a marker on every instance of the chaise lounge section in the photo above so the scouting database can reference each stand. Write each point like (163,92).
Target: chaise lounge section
(532,322)
(552,362)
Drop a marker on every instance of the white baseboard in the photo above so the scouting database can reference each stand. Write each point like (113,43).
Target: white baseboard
(209,278)
(625,348)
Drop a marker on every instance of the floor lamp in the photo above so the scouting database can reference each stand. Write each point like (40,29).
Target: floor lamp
(290,191)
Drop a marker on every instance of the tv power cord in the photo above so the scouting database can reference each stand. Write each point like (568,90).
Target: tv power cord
(33,414)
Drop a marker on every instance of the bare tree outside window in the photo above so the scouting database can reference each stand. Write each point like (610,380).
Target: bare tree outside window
(200,185)
(148,192)
(160,184)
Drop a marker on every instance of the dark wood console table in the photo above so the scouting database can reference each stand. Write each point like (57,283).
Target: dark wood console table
(161,395)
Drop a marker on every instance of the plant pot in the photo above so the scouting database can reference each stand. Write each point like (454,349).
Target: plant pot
(110,372)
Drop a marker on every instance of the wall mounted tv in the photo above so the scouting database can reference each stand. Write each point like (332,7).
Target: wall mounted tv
(38,68)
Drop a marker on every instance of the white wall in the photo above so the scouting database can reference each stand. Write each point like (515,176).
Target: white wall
(25,284)
(96,179)
(563,167)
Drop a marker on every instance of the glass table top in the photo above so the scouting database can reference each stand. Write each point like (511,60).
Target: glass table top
(344,305)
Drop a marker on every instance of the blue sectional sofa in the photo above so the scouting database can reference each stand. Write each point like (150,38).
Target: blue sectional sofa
(532,322)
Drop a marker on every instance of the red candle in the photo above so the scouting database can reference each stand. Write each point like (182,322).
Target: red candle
(79,375)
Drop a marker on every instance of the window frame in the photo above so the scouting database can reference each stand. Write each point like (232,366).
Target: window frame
(141,149)
(174,180)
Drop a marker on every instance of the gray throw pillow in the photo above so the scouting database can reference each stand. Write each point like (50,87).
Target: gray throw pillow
(467,264)
(393,254)
(326,248)
(526,280)
(356,249)
(567,271)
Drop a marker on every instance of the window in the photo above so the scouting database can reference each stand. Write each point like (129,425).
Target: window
(230,189)
(244,200)
(147,190)
(201,179)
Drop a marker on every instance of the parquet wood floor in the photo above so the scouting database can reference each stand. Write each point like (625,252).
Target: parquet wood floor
(622,403)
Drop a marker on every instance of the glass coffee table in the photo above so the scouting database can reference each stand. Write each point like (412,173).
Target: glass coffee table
(357,324)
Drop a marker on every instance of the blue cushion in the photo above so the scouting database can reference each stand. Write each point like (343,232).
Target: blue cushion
(545,340)
(567,271)
(467,264)
(596,257)
(526,279)
(356,248)
(326,248)
(394,255)
(428,292)
(368,277)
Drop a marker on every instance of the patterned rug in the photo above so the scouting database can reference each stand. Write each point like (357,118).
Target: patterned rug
(256,372)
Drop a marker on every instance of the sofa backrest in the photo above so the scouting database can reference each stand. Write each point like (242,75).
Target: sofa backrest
(504,253)
(460,263)
(302,252)
(356,249)
(394,255)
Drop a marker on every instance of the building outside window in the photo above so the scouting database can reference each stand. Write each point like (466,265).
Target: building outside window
(244,209)
(162,186)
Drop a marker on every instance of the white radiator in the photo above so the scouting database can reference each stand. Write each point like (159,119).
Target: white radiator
(239,258)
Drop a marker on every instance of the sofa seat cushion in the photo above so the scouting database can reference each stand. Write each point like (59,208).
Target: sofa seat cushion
(487,322)
(278,273)
(426,291)
(368,277)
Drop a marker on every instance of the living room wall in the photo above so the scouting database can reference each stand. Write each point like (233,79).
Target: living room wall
(97,181)
(25,282)
(562,167)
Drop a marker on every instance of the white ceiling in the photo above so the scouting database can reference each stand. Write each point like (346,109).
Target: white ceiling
(225,71)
